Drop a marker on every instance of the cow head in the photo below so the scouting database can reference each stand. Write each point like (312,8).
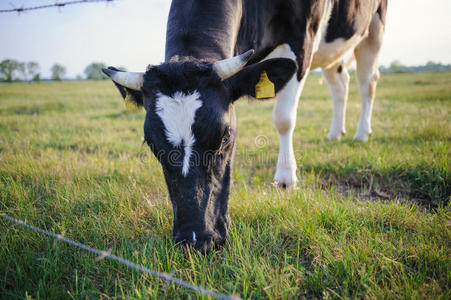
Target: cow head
(190,127)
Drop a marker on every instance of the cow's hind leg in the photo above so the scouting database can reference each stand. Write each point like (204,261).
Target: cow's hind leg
(367,53)
(338,79)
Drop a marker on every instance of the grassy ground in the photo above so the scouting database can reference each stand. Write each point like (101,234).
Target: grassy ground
(367,221)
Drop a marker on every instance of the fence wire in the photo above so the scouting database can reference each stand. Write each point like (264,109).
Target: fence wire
(56,4)
(107,254)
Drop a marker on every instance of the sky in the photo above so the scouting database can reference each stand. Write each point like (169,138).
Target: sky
(131,33)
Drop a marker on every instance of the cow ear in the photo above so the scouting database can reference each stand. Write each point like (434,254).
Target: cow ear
(131,97)
(263,80)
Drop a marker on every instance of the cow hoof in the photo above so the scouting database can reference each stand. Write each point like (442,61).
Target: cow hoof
(292,186)
(334,136)
(362,137)
(285,180)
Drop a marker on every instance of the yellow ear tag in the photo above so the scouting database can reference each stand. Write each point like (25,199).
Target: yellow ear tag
(264,88)
(129,104)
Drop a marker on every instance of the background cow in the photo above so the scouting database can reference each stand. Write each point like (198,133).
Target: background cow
(190,121)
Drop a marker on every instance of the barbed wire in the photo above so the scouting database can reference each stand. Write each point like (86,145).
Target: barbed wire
(56,4)
(107,254)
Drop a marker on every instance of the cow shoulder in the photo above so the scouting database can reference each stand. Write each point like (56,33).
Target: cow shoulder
(267,24)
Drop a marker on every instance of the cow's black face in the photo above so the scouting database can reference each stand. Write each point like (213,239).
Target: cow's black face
(190,127)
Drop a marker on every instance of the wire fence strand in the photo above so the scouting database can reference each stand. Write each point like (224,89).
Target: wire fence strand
(56,4)
(106,254)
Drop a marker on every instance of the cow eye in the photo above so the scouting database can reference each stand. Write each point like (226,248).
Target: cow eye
(225,141)
(225,138)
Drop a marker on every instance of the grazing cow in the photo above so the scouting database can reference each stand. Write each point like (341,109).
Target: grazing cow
(190,120)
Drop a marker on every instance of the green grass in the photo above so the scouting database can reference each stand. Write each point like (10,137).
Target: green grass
(367,221)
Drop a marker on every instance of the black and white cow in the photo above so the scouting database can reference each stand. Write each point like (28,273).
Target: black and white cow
(190,120)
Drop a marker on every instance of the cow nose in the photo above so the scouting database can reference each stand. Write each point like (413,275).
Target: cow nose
(203,243)
(199,241)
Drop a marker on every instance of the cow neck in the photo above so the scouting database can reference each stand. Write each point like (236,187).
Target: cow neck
(206,30)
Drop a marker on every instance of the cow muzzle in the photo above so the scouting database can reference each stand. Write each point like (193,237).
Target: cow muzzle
(200,240)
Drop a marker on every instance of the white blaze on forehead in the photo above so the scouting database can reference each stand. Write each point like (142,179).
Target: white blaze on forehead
(177,114)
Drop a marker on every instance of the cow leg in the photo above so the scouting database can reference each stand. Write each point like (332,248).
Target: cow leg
(284,117)
(338,79)
(367,53)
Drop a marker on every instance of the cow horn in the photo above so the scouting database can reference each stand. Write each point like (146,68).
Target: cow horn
(131,80)
(230,66)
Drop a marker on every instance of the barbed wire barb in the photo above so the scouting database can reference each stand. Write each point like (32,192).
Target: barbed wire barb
(57,4)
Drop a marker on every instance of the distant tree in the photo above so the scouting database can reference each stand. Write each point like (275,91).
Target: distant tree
(396,66)
(94,71)
(79,77)
(37,78)
(435,67)
(8,67)
(31,70)
(21,70)
(58,71)
(430,66)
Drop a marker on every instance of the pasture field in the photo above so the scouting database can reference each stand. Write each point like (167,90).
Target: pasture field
(366,221)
